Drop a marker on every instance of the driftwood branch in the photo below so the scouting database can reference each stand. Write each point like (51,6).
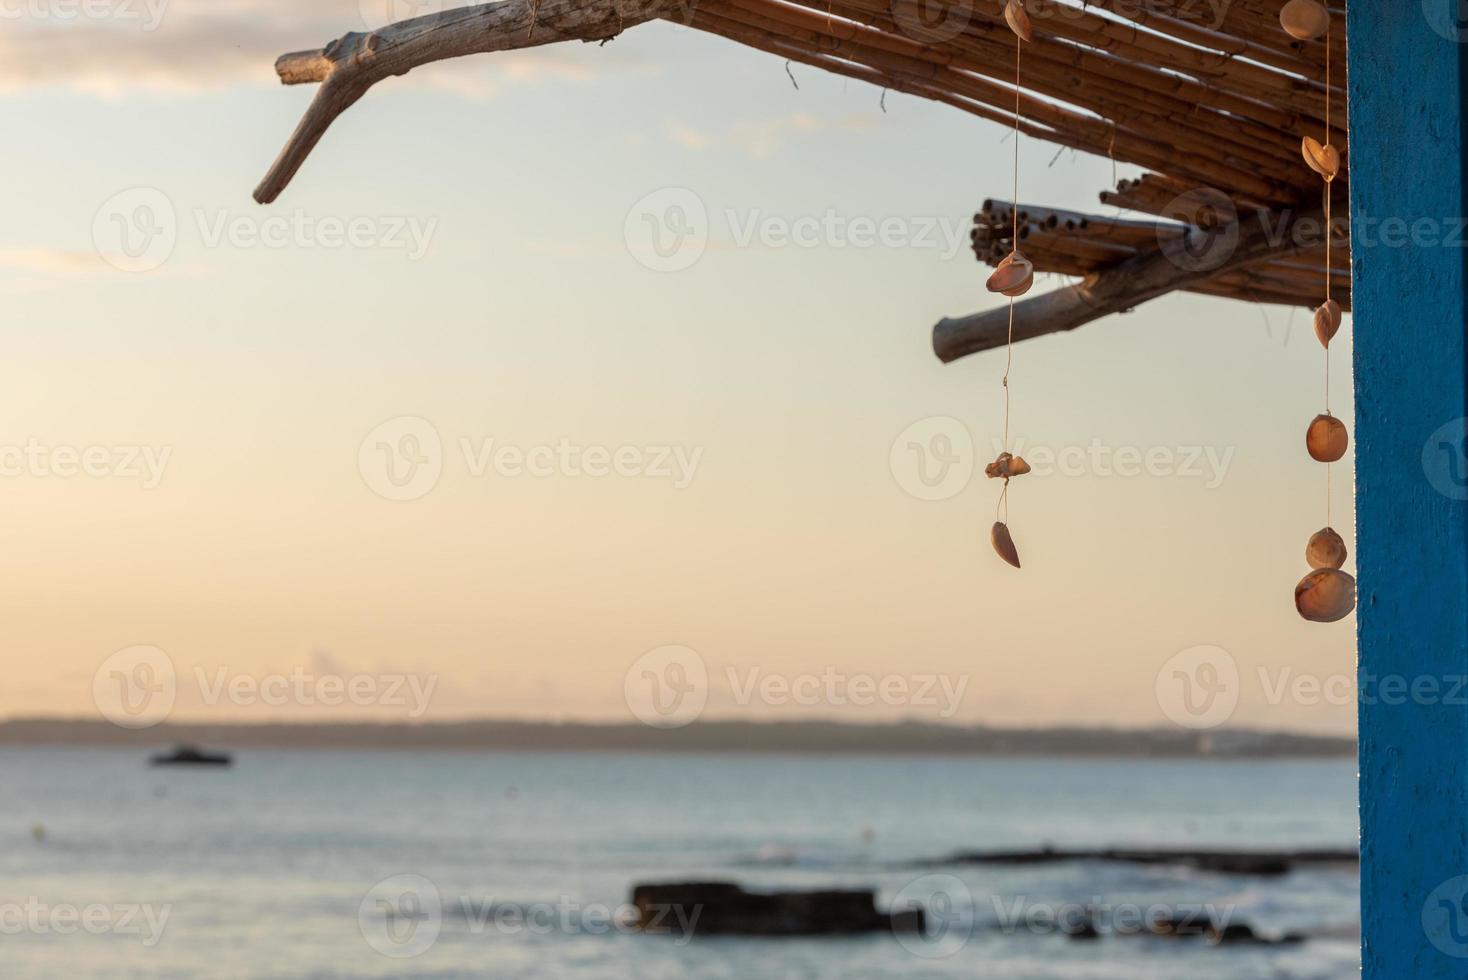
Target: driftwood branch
(347,67)
(1187,262)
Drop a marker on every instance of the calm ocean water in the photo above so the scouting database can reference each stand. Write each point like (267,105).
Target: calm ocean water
(272,869)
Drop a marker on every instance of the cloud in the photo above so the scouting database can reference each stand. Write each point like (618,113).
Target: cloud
(181,46)
(50,260)
(688,137)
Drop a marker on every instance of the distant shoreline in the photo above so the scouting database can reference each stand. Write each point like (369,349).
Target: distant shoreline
(822,737)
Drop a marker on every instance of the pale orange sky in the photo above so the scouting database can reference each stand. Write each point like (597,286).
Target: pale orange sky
(784,374)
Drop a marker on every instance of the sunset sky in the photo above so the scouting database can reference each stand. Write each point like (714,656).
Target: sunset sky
(780,384)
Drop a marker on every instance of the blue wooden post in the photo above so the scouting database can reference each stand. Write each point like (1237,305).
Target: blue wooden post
(1407,89)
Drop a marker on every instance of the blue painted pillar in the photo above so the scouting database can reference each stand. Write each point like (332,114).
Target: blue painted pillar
(1407,167)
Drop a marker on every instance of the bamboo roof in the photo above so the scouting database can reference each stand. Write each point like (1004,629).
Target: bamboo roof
(1210,97)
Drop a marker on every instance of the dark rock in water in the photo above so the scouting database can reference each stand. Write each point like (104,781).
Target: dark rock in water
(1268,863)
(1239,933)
(190,755)
(1182,924)
(913,920)
(723,908)
(1084,929)
(1191,925)
(1234,932)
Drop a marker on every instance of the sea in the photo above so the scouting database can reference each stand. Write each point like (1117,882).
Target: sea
(326,864)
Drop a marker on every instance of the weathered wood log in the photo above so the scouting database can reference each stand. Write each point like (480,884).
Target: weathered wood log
(1257,296)
(1073,243)
(1196,258)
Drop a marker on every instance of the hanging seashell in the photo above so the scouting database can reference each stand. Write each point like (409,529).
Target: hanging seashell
(1006,466)
(1018,20)
(1323,159)
(1003,543)
(1326,549)
(1326,439)
(1325,595)
(1327,321)
(1304,20)
(1014,275)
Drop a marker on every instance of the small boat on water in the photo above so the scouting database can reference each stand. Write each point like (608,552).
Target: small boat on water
(191,755)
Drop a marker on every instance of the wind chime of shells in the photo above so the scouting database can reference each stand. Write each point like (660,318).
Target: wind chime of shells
(1326,594)
(1013,277)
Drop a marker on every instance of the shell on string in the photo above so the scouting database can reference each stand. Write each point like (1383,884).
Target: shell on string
(1326,549)
(1006,466)
(1322,158)
(1327,321)
(1326,439)
(1325,595)
(1003,544)
(1018,20)
(1304,20)
(1014,275)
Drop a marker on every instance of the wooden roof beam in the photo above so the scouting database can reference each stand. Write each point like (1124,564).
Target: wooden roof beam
(1157,272)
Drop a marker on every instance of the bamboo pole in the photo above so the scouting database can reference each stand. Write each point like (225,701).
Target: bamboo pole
(732,30)
(1092,226)
(1259,24)
(1041,242)
(991,40)
(1189,128)
(1302,95)
(894,55)
(1107,84)
(1179,26)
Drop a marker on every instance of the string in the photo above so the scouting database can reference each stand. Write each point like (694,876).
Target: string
(1329,234)
(1001,508)
(1014,214)
(1111,152)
